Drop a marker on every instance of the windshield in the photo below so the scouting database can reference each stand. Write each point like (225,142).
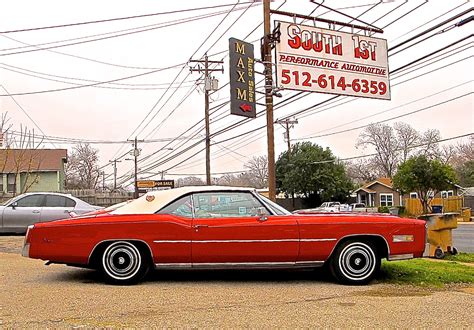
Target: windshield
(277,209)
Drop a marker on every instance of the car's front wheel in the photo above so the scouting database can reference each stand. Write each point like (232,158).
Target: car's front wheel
(355,262)
(124,263)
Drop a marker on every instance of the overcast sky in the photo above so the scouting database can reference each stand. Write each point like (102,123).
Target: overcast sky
(113,113)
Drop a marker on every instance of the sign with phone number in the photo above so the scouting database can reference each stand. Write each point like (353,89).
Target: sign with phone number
(327,61)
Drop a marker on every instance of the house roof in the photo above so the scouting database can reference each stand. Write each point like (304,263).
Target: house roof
(31,160)
(468,191)
(387,182)
(367,190)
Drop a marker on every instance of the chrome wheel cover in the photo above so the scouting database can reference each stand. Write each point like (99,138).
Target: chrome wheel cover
(357,261)
(121,260)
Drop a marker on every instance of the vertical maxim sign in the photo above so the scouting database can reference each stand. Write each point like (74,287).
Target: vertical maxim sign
(242,78)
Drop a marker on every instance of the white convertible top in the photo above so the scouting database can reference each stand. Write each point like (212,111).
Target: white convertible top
(154,200)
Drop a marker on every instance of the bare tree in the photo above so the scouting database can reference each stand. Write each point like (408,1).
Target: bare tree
(464,152)
(362,171)
(189,181)
(20,156)
(384,140)
(430,140)
(81,170)
(447,154)
(258,169)
(407,137)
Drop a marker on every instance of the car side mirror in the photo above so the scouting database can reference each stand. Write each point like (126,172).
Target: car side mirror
(14,205)
(262,214)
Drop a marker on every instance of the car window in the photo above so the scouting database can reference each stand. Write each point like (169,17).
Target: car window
(31,201)
(226,205)
(180,207)
(70,202)
(59,201)
(277,209)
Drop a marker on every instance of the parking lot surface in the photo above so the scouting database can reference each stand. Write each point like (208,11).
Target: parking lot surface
(38,296)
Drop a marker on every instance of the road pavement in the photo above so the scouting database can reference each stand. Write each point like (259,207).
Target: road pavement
(38,296)
(463,237)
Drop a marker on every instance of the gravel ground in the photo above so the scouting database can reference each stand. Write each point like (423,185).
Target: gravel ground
(34,295)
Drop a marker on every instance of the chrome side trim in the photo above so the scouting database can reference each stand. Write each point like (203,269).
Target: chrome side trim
(171,241)
(235,265)
(182,265)
(230,241)
(400,256)
(318,239)
(309,263)
(229,265)
(119,239)
(248,241)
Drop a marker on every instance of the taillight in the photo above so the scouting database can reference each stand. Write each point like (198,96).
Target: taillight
(27,236)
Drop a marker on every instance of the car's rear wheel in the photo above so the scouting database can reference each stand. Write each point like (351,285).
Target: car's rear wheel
(355,262)
(124,263)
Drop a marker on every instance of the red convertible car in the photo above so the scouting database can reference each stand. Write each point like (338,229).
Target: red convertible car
(223,227)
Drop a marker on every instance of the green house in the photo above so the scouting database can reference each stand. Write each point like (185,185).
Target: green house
(30,170)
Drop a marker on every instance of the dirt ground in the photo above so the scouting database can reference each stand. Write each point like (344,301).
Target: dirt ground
(34,295)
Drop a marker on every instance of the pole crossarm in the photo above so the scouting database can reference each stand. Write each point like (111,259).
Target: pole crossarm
(367,27)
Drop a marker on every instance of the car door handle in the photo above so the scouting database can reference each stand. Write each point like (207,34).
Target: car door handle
(200,226)
(36,211)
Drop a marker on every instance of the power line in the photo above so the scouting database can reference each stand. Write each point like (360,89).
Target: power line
(399,83)
(161,25)
(388,119)
(95,84)
(412,147)
(84,58)
(120,18)
(98,86)
(434,19)
(261,127)
(87,80)
(220,132)
(71,140)
(26,113)
(393,108)
(154,106)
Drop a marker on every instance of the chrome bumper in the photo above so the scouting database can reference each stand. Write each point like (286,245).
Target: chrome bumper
(400,256)
(25,251)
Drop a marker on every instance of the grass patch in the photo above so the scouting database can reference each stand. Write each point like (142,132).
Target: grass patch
(461,257)
(426,273)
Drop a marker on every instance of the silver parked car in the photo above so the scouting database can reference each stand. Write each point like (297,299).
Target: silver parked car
(26,209)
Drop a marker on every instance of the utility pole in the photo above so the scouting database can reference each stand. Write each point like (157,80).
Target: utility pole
(208,86)
(287,124)
(114,162)
(267,60)
(103,181)
(136,152)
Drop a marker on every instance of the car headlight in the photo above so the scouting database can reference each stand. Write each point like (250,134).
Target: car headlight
(403,238)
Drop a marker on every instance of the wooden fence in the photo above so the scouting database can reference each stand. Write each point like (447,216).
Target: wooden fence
(451,204)
(100,198)
(90,196)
